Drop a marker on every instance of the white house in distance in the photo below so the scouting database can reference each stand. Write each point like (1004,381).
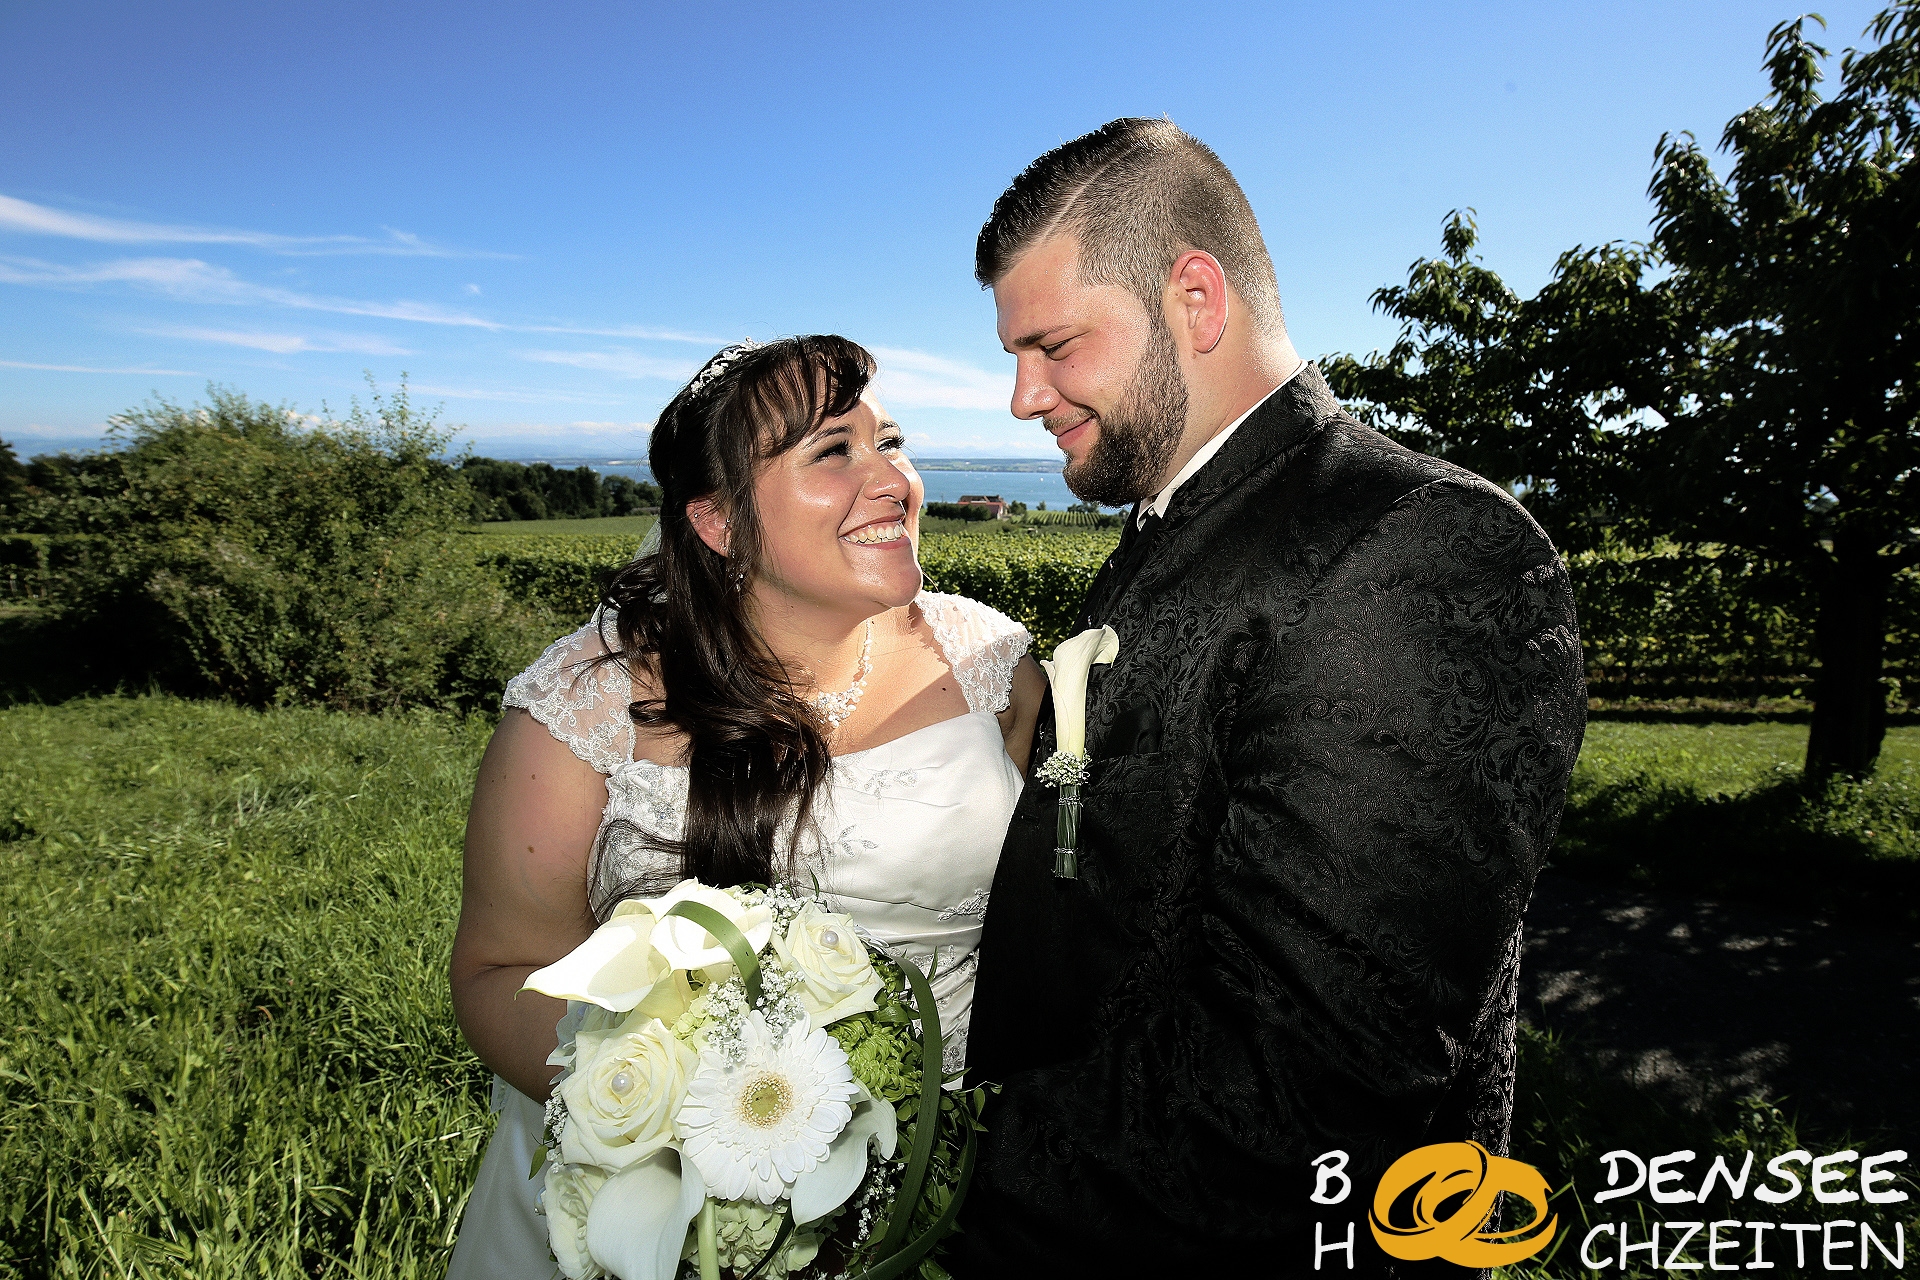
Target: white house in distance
(992,502)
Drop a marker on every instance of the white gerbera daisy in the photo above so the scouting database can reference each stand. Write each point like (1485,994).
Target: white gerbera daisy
(757,1119)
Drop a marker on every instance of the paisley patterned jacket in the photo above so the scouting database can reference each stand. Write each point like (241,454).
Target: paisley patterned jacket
(1328,763)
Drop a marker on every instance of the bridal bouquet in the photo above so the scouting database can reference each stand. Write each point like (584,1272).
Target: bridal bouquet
(744,1088)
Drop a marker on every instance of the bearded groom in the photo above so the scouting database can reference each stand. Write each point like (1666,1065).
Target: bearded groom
(1327,762)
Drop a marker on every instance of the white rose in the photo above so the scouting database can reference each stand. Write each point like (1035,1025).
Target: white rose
(837,976)
(615,968)
(627,1082)
(688,946)
(569,1190)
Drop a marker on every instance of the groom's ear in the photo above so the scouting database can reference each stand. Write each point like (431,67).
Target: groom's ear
(710,522)
(1197,297)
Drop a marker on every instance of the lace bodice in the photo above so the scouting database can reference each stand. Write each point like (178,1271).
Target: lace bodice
(906,834)
(584,703)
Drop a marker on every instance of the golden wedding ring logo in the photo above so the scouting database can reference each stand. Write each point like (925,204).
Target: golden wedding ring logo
(1434,1202)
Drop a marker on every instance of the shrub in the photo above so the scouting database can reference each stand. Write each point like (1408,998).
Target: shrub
(1680,622)
(23,565)
(234,549)
(958,511)
(1039,582)
(560,576)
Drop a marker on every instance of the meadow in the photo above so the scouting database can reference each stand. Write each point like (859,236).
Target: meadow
(226,1046)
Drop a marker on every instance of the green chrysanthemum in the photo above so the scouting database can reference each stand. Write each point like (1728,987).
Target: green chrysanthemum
(878,1054)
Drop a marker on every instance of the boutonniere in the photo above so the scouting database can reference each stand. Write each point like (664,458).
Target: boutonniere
(1066,768)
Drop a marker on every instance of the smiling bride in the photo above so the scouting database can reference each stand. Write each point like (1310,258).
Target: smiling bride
(767,697)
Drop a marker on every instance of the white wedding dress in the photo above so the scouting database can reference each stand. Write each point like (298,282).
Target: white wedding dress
(909,835)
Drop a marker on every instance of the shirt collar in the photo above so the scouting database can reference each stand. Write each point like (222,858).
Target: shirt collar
(1157,505)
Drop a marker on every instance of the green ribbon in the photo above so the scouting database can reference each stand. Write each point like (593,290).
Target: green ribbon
(724,933)
(923,1243)
(928,1120)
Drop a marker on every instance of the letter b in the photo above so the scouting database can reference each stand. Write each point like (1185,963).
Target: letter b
(1328,1168)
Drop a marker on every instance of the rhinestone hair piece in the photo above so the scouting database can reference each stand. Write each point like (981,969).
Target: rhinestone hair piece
(718,365)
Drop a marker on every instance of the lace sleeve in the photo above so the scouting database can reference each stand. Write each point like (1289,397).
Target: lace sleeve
(982,645)
(582,702)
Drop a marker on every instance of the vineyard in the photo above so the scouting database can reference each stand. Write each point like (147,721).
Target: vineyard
(1671,625)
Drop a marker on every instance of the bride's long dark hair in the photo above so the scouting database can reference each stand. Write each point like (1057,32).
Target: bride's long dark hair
(757,750)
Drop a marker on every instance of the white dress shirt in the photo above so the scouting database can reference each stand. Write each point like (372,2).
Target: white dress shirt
(1157,505)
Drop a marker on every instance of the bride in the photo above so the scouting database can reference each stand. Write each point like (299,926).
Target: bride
(767,696)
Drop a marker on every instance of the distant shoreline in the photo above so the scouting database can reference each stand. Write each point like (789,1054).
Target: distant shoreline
(1018,466)
(999,466)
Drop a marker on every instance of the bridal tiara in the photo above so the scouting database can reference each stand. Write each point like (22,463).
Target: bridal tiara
(718,365)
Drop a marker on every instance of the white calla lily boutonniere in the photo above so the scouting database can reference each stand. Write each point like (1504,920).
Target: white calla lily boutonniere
(1067,672)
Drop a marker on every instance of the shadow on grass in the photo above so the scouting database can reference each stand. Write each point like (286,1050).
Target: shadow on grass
(1845,848)
(45,660)
(1568,1113)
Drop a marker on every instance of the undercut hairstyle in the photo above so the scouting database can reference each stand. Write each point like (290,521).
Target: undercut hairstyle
(1136,194)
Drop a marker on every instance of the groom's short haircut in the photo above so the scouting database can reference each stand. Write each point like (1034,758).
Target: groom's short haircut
(1136,194)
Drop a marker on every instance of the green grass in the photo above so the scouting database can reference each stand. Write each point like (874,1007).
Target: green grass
(598,526)
(226,1046)
(1720,810)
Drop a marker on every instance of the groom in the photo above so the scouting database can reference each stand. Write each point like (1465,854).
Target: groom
(1327,764)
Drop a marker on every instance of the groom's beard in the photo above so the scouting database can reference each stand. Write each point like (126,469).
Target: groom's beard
(1141,434)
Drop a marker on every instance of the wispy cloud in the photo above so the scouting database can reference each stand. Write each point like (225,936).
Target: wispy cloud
(192,280)
(622,364)
(24,216)
(507,395)
(918,380)
(286,343)
(629,331)
(82,368)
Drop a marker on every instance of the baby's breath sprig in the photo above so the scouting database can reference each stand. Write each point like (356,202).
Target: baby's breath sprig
(554,1119)
(1063,769)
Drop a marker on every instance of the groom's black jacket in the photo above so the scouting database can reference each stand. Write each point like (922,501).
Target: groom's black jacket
(1327,765)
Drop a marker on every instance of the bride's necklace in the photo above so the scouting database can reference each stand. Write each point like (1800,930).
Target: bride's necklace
(836,707)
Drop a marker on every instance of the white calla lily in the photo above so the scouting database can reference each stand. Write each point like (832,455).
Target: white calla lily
(688,946)
(615,968)
(827,1185)
(1067,672)
(638,1222)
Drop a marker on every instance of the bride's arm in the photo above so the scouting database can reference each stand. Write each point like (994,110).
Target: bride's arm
(1023,711)
(523,904)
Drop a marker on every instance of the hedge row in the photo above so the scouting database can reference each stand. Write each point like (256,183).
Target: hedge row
(1038,581)
(1663,625)
(1668,624)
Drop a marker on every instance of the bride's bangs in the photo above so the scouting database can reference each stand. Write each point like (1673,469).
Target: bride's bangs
(791,387)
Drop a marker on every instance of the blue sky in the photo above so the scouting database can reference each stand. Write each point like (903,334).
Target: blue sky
(547,215)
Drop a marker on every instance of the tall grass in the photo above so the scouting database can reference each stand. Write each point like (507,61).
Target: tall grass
(226,1046)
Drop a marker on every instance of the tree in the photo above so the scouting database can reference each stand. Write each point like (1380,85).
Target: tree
(13,486)
(1745,379)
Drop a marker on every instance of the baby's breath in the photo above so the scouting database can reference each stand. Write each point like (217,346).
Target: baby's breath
(1063,769)
(554,1120)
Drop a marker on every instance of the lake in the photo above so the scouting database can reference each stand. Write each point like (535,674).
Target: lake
(1030,487)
